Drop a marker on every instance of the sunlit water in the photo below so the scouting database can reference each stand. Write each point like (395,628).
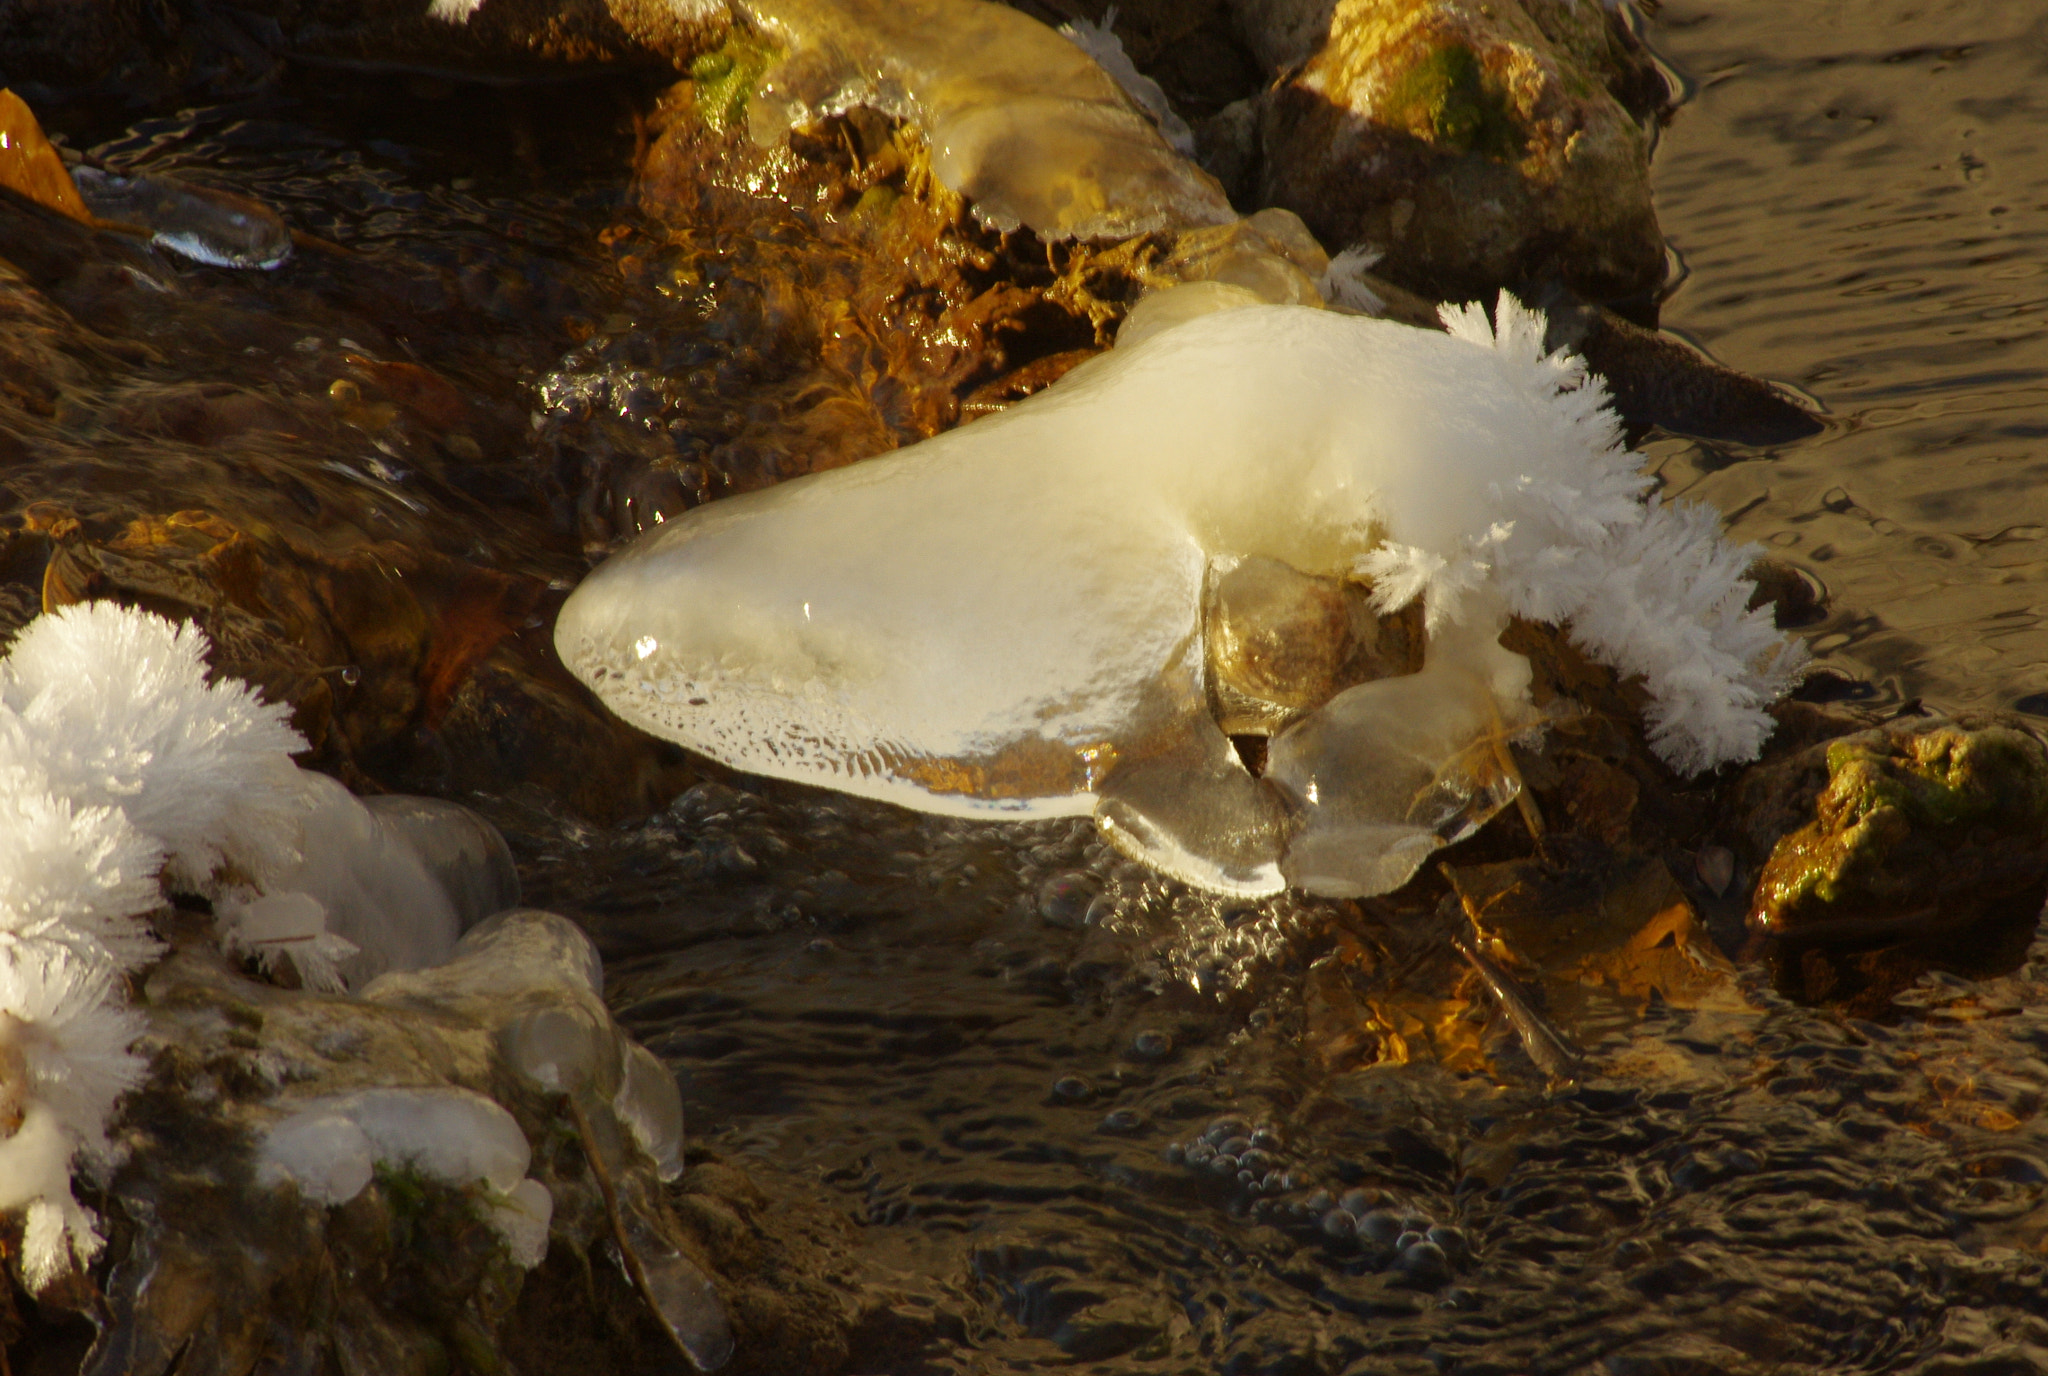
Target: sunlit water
(1861,194)
(1013,1060)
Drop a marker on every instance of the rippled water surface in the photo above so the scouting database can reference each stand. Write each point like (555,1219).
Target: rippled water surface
(1860,191)
(1082,1119)
(1014,1061)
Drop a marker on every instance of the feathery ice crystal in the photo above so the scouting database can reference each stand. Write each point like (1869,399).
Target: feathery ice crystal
(123,770)
(1011,617)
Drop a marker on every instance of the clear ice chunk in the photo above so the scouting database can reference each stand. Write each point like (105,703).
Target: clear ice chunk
(682,1295)
(451,1134)
(217,228)
(324,1153)
(1387,772)
(379,891)
(464,853)
(521,1217)
(561,1048)
(651,1107)
(1021,122)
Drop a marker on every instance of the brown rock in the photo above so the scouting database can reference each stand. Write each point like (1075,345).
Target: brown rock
(1469,147)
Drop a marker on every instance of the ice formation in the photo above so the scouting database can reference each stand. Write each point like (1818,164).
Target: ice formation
(208,226)
(329,1148)
(1020,121)
(124,771)
(1100,42)
(1009,618)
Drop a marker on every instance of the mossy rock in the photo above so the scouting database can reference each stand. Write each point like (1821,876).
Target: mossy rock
(1920,824)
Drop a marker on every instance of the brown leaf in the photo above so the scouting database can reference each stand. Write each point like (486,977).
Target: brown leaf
(30,165)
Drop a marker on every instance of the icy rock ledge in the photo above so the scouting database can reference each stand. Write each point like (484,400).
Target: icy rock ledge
(139,794)
(1018,617)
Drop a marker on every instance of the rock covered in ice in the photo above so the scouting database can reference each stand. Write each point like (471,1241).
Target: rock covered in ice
(514,952)
(1100,42)
(1009,618)
(379,884)
(453,1135)
(330,1146)
(1021,122)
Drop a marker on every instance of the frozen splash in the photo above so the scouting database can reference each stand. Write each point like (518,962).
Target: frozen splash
(1010,618)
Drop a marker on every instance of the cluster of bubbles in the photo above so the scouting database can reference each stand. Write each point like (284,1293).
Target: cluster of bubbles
(1367,1223)
(1205,941)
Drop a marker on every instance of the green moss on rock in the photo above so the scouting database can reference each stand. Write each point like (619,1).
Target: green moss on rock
(1914,820)
(1448,99)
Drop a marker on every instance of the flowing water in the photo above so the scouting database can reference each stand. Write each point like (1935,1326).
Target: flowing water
(1083,1119)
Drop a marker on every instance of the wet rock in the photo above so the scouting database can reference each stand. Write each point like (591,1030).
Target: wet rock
(1022,123)
(1468,145)
(292,1192)
(1657,380)
(1915,818)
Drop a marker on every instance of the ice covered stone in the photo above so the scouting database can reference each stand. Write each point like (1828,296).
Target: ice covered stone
(510,953)
(1021,122)
(1009,618)
(453,1135)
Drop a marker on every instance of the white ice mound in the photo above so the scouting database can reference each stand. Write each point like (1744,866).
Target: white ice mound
(1009,617)
(1020,121)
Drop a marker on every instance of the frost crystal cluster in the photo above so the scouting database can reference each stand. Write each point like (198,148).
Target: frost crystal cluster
(125,774)
(1251,519)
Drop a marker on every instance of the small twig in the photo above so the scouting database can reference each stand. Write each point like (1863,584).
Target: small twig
(602,1174)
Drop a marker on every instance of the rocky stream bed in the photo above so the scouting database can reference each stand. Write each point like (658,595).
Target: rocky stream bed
(1740,1072)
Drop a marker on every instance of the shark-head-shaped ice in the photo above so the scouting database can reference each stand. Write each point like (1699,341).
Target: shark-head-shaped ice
(1022,616)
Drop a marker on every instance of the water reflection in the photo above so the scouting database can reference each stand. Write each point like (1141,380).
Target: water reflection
(1857,191)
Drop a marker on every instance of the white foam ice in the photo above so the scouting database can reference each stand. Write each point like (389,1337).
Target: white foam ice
(1007,618)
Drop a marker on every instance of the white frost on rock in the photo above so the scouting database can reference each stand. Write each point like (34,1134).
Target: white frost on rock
(124,770)
(123,715)
(1007,618)
(1100,42)
(1343,282)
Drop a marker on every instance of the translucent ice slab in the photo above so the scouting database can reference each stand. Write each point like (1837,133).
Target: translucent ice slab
(1011,617)
(1020,121)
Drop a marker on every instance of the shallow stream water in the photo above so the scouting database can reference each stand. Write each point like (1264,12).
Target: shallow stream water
(1013,1060)
(1000,1048)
